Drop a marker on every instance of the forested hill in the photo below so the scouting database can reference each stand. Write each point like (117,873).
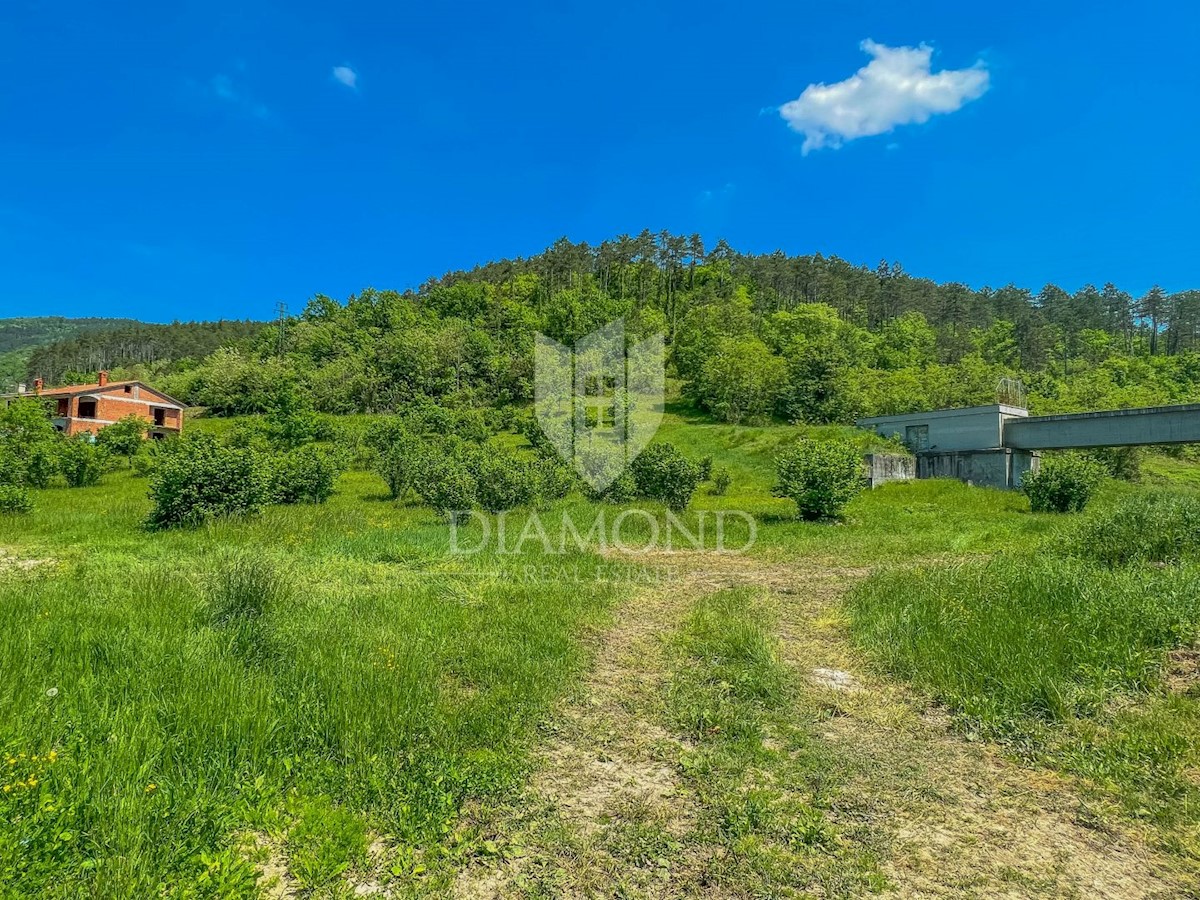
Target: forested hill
(19,336)
(152,350)
(751,337)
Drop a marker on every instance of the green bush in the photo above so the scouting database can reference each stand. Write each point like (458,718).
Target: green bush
(43,461)
(557,480)
(396,454)
(721,480)
(199,478)
(505,480)
(124,437)
(526,424)
(448,485)
(82,460)
(12,466)
(821,477)
(143,463)
(1124,463)
(661,472)
(14,498)
(1158,527)
(29,445)
(427,417)
(622,490)
(304,475)
(1063,483)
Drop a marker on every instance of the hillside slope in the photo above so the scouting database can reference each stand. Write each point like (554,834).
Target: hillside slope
(20,336)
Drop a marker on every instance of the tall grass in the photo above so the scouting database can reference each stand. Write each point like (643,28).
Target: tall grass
(1151,527)
(189,683)
(1026,636)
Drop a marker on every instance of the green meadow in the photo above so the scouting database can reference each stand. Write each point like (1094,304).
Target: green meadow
(324,696)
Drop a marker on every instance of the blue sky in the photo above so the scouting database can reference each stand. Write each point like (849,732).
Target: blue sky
(189,160)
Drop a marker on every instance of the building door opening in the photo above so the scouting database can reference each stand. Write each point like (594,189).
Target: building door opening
(160,417)
(87,409)
(917,437)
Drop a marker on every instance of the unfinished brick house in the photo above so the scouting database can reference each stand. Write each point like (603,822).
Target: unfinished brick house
(81,408)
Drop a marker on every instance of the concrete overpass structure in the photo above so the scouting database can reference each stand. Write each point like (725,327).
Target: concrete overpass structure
(1112,428)
(996,445)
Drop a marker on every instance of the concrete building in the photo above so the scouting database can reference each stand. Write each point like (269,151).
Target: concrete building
(996,445)
(87,408)
(967,444)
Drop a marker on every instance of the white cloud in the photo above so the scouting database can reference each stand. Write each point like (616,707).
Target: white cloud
(345,75)
(897,87)
(223,88)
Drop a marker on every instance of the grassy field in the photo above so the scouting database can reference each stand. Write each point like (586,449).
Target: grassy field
(325,698)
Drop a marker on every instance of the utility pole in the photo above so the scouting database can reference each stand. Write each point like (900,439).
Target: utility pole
(281,309)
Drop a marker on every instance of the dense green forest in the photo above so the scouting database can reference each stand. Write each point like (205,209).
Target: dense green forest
(152,349)
(751,337)
(19,336)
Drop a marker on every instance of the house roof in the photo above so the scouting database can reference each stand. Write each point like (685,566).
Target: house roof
(74,390)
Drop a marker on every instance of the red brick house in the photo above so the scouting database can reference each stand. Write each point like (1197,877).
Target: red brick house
(80,408)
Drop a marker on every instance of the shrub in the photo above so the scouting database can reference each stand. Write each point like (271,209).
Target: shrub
(290,420)
(14,498)
(1124,463)
(143,464)
(1158,527)
(82,460)
(29,444)
(125,437)
(662,473)
(821,477)
(304,475)
(557,480)
(12,466)
(447,485)
(397,455)
(706,468)
(424,416)
(200,478)
(250,434)
(42,463)
(504,480)
(1063,483)
(721,481)
(622,490)
(527,425)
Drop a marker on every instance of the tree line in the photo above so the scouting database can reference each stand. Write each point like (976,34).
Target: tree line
(751,337)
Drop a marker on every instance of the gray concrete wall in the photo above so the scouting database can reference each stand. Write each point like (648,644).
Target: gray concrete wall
(1003,468)
(1113,428)
(885,467)
(972,428)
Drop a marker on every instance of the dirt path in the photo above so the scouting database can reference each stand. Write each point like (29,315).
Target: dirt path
(608,813)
